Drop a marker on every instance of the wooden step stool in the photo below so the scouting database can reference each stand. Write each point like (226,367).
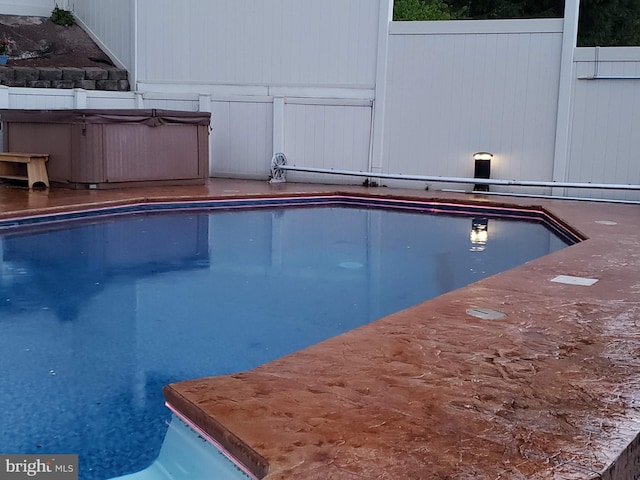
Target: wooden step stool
(25,166)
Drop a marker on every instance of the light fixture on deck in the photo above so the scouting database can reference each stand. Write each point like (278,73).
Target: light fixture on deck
(482,169)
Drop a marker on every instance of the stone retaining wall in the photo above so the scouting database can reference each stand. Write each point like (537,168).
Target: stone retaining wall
(91,78)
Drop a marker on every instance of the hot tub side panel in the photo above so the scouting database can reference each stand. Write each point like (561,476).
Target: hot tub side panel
(142,153)
(203,151)
(87,147)
(52,139)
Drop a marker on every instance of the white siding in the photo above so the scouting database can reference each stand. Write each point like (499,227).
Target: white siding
(111,25)
(605,126)
(277,42)
(455,88)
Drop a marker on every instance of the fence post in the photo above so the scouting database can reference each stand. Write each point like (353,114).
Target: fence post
(4,96)
(278,125)
(565,95)
(204,102)
(379,102)
(79,98)
(139,99)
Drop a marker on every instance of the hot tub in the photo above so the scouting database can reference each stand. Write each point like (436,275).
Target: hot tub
(113,148)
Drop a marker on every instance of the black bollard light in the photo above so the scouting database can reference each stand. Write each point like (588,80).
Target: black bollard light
(482,169)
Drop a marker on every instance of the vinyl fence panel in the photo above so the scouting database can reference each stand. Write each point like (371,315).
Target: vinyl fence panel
(37,8)
(112,25)
(329,136)
(605,138)
(242,139)
(459,87)
(277,42)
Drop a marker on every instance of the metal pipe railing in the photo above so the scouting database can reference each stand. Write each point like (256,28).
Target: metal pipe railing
(596,72)
(477,181)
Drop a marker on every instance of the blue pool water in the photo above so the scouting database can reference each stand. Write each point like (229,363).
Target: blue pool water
(97,316)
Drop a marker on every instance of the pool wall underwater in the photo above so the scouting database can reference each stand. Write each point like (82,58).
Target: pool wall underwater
(539,214)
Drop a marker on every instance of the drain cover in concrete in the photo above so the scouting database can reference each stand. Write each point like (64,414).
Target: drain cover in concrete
(485,313)
(569,280)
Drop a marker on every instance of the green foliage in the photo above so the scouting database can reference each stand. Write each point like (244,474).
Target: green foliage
(493,9)
(609,23)
(605,23)
(60,16)
(421,10)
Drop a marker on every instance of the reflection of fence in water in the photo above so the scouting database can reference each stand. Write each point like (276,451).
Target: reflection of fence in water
(67,267)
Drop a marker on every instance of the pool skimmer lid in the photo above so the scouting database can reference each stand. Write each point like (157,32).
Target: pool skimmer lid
(485,313)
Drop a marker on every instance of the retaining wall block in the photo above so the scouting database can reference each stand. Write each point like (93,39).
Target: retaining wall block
(111,85)
(72,73)
(62,84)
(6,74)
(50,74)
(26,74)
(118,74)
(89,78)
(86,84)
(95,73)
(39,84)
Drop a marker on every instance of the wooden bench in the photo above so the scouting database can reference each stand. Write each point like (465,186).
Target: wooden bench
(30,167)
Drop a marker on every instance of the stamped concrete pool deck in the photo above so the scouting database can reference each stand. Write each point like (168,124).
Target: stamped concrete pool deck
(550,391)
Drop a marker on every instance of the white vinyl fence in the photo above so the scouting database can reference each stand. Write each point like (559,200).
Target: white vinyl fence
(335,84)
(605,122)
(112,25)
(458,87)
(281,75)
(36,8)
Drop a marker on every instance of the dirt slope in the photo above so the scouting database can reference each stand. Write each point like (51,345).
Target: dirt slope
(38,42)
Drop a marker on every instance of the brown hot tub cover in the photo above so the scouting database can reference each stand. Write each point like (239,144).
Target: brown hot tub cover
(151,117)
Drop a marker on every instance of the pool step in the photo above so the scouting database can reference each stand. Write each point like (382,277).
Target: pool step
(186,455)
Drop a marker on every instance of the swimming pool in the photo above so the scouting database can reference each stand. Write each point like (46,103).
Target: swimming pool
(94,319)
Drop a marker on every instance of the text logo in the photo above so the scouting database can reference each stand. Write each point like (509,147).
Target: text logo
(49,467)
